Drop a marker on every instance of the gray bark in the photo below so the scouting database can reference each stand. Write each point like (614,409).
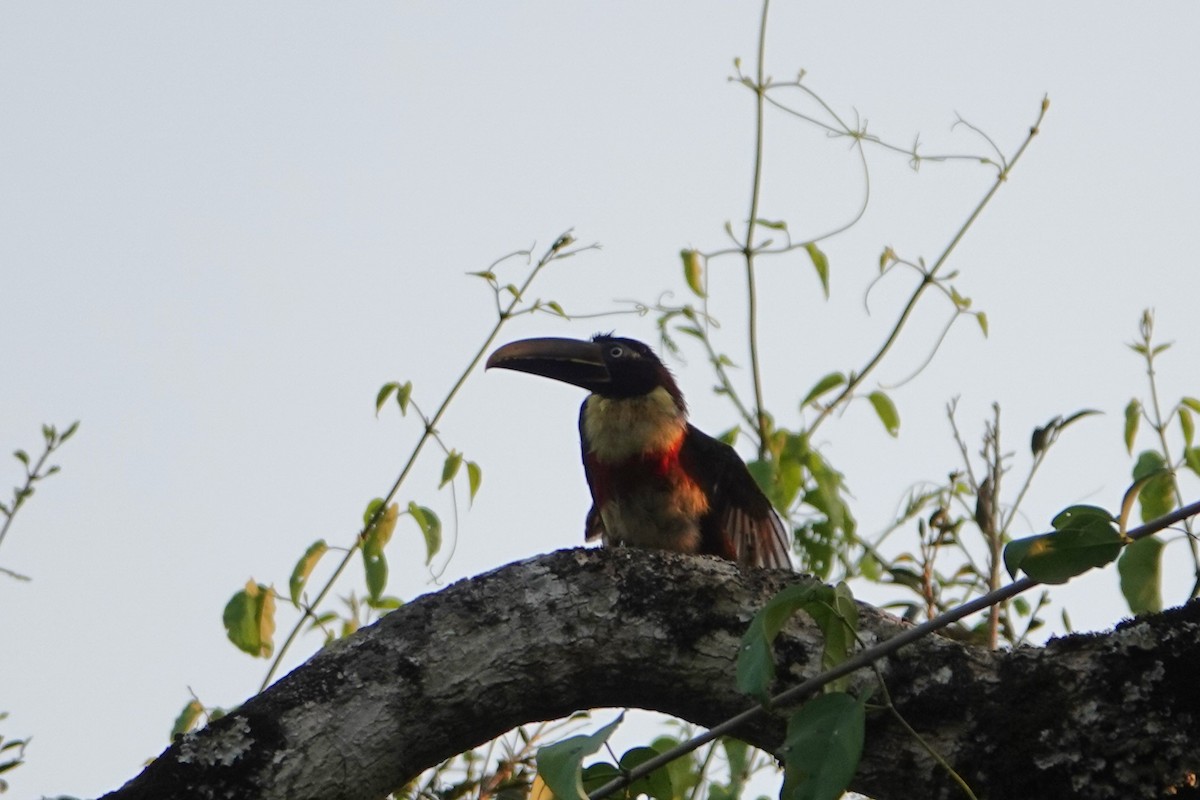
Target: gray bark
(1113,715)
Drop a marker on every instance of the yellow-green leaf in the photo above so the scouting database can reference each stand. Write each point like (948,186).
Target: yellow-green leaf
(250,620)
(187,718)
(693,271)
(304,568)
(981,318)
(381,532)
(1157,493)
(385,392)
(1191,457)
(403,395)
(821,262)
(830,381)
(372,508)
(474,478)
(773,224)
(450,467)
(886,411)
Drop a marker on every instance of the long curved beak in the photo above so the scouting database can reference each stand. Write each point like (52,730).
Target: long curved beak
(571,361)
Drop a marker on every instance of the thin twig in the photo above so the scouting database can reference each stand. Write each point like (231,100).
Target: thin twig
(930,276)
(760,414)
(555,252)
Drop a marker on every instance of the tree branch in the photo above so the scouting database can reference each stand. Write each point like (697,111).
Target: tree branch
(594,628)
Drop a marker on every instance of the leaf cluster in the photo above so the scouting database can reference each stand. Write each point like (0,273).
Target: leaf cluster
(36,470)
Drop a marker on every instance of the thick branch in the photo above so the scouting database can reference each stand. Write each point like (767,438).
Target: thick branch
(1118,714)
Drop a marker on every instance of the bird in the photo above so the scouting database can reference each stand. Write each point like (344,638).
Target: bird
(656,480)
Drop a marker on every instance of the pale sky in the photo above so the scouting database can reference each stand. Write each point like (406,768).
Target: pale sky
(223,226)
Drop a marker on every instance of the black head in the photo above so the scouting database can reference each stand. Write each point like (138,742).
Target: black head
(608,365)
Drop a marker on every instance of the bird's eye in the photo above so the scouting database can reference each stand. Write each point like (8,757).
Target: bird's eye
(616,351)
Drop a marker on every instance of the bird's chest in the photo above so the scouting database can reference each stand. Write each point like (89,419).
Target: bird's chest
(649,502)
(643,495)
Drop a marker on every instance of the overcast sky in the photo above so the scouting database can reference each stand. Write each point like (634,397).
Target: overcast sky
(223,226)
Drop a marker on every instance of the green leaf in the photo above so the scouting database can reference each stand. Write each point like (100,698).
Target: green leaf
(1149,463)
(304,568)
(386,603)
(250,620)
(21,456)
(1157,496)
(1191,457)
(830,381)
(372,508)
(763,472)
(385,392)
(737,755)
(775,225)
(1188,425)
(821,262)
(1140,567)
(683,776)
(403,395)
(756,659)
(1133,416)
(886,411)
(187,718)
(69,432)
(693,271)
(822,748)
(1084,537)
(981,318)
(1078,415)
(839,623)
(657,784)
(376,569)
(431,529)
(374,561)
(1190,402)
(593,777)
(450,467)
(560,764)
(474,478)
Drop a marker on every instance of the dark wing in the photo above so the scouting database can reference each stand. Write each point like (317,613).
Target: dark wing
(593,528)
(740,524)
